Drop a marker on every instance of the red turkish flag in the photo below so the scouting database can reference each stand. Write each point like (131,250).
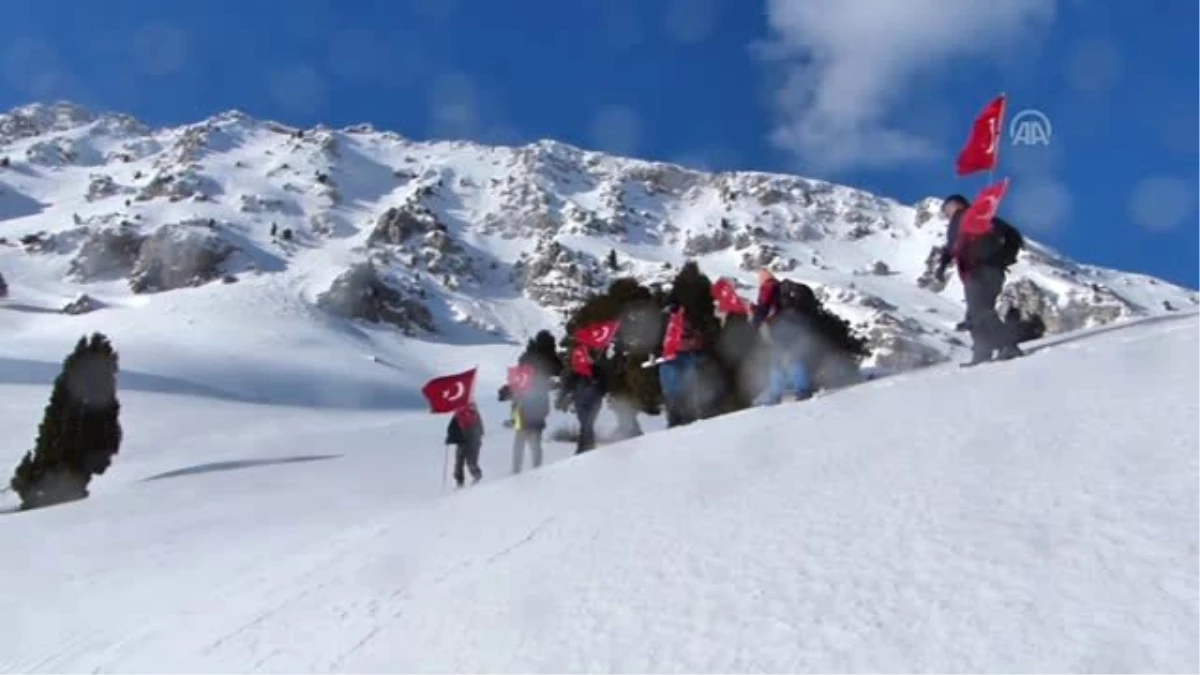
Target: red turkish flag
(449,392)
(519,378)
(598,335)
(581,363)
(981,151)
(674,335)
(728,300)
(977,219)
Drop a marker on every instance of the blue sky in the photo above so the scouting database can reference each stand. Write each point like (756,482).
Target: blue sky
(873,93)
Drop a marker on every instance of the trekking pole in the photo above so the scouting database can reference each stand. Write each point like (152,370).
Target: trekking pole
(445,466)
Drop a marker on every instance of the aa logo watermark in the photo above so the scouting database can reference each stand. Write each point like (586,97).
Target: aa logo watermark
(1030,127)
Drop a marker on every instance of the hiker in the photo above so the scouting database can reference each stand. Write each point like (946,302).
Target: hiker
(778,310)
(981,264)
(584,388)
(465,433)
(682,349)
(530,408)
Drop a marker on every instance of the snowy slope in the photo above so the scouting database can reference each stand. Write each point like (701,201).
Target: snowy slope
(1037,515)
(493,243)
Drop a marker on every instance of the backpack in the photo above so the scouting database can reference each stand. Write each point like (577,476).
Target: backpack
(1005,245)
(796,296)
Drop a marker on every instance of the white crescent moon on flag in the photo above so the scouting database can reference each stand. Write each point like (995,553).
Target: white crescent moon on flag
(459,390)
(992,205)
(601,333)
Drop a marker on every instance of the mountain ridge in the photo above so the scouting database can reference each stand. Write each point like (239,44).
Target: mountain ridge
(456,240)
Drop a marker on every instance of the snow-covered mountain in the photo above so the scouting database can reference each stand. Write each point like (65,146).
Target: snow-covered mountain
(279,501)
(239,220)
(903,525)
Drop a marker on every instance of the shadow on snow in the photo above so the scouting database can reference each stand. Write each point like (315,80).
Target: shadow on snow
(236,465)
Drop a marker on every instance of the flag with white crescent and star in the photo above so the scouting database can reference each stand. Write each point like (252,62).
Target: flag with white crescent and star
(449,392)
(977,219)
(598,335)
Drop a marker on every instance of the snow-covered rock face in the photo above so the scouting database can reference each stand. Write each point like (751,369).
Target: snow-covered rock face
(107,253)
(179,255)
(491,235)
(553,275)
(362,292)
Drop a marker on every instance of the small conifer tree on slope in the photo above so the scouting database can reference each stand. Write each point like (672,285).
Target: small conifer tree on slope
(80,432)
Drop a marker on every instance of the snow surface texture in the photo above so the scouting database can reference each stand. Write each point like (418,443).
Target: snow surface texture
(1038,515)
(277,503)
(234,230)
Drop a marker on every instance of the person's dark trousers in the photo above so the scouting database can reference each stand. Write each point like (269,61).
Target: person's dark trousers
(982,287)
(466,454)
(587,414)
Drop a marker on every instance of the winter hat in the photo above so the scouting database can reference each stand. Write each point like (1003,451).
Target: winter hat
(956,199)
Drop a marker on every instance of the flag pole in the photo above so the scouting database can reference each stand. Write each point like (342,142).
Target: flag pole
(999,135)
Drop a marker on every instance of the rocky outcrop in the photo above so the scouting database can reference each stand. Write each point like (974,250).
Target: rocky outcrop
(928,279)
(35,119)
(178,256)
(899,343)
(55,153)
(3,287)
(1095,306)
(107,253)
(400,223)
(261,204)
(178,185)
(558,277)
(82,304)
(101,186)
(708,242)
(363,292)
(58,242)
(761,255)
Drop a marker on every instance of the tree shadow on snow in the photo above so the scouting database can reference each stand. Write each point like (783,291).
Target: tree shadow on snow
(15,204)
(28,371)
(238,464)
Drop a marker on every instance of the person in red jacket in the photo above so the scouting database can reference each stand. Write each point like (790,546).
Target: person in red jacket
(790,341)
(465,433)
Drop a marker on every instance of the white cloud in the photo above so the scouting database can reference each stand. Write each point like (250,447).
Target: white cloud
(455,107)
(621,25)
(1040,204)
(691,21)
(159,48)
(846,65)
(356,55)
(34,68)
(1161,203)
(1094,65)
(716,157)
(616,130)
(300,89)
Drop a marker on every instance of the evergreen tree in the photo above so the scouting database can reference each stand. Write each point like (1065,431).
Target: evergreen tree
(80,432)
(639,336)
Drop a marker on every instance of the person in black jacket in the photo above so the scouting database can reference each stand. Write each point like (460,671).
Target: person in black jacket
(586,393)
(981,267)
(465,433)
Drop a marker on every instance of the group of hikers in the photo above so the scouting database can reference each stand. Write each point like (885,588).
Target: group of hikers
(677,353)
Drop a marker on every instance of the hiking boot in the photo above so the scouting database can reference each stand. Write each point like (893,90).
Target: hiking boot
(1011,352)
